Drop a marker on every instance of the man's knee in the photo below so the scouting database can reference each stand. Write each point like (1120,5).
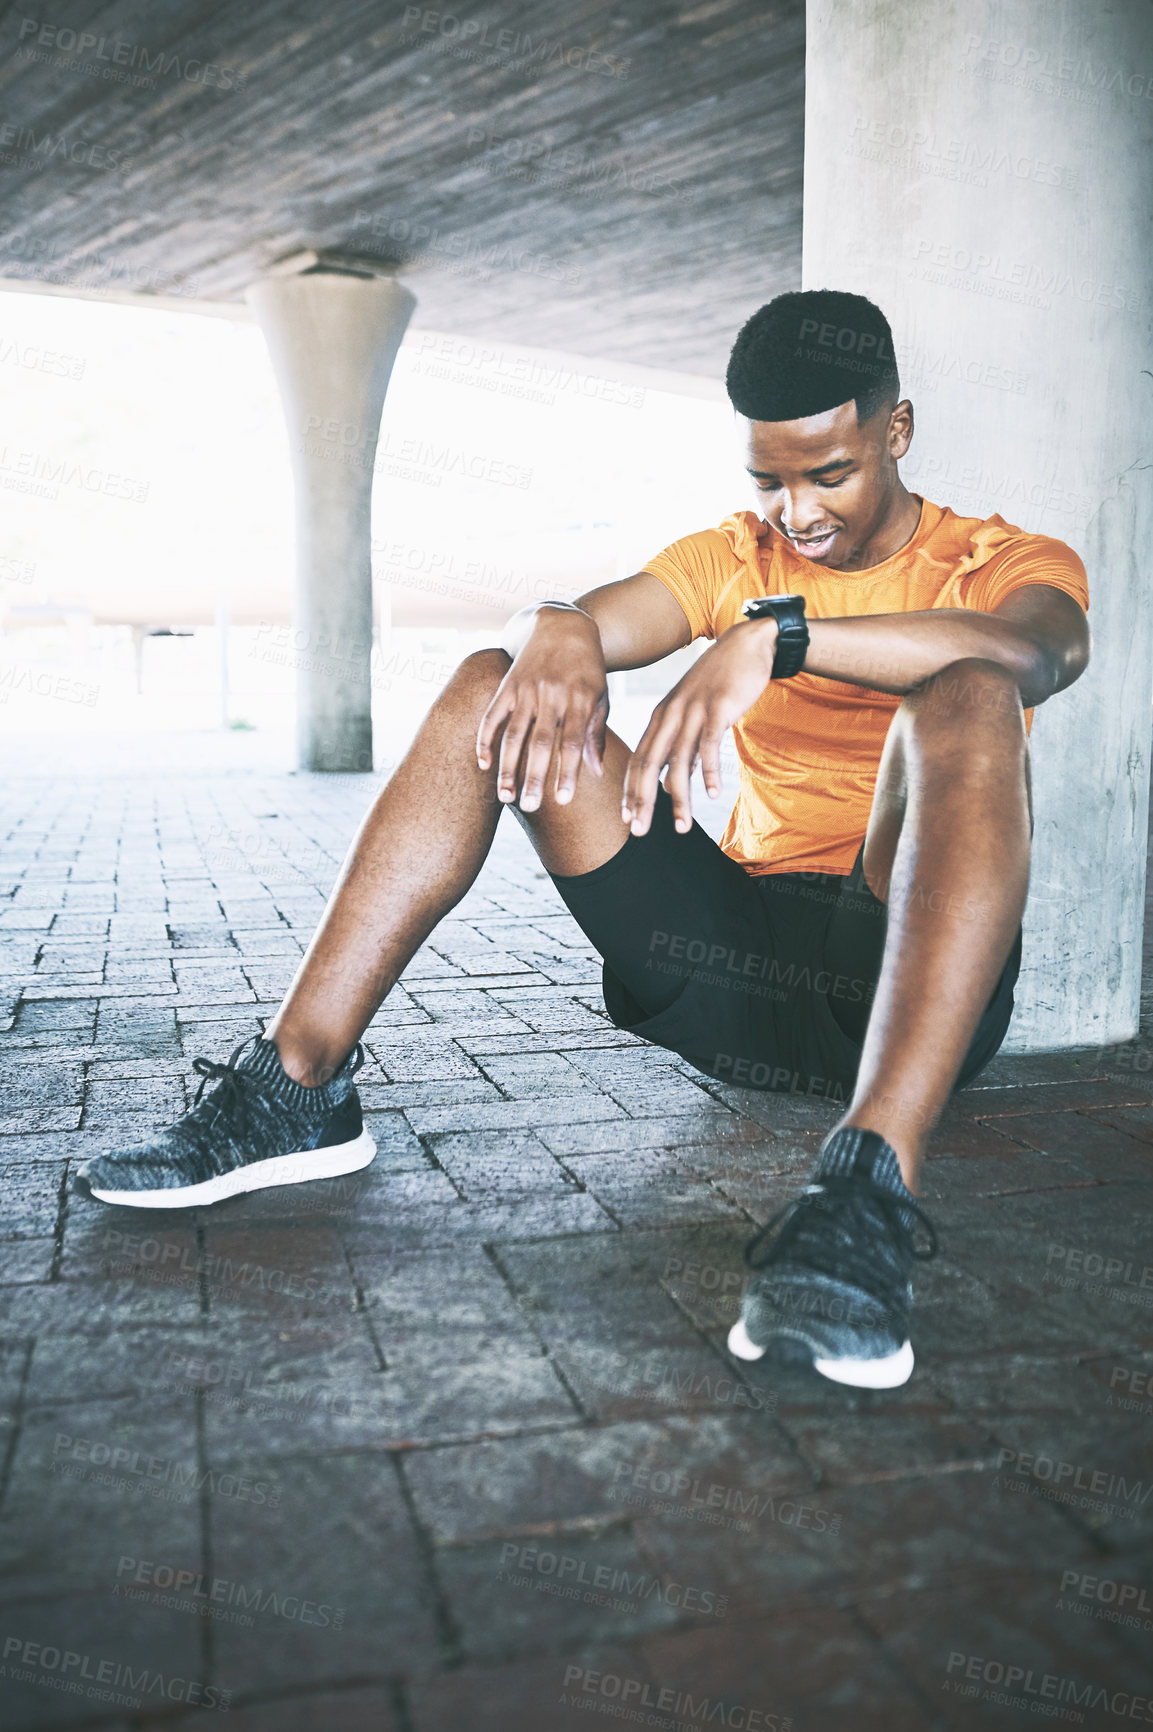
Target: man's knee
(476,678)
(964,690)
(486,667)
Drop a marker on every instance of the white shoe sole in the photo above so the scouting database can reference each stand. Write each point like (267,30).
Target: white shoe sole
(887,1373)
(293,1169)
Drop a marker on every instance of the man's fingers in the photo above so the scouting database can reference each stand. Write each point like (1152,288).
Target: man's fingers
(649,759)
(569,752)
(711,763)
(681,758)
(596,738)
(541,743)
(511,747)
(502,706)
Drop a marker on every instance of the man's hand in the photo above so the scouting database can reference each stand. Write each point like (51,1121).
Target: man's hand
(553,697)
(688,725)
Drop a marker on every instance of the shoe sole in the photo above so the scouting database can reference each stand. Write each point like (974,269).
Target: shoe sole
(294,1169)
(888,1372)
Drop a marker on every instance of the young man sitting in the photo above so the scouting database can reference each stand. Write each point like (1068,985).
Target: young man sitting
(855,936)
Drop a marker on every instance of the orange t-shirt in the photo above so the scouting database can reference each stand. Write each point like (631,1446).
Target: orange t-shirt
(810,747)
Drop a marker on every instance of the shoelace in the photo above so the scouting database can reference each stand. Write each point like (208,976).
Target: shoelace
(234,1083)
(804,1222)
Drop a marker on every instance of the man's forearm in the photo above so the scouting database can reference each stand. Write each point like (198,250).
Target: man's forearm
(895,652)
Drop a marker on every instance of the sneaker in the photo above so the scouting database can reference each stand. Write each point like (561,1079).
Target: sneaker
(833,1288)
(258,1128)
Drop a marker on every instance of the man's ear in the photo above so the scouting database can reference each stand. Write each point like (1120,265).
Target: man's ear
(900,435)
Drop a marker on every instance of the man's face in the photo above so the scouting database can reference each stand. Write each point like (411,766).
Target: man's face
(827,483)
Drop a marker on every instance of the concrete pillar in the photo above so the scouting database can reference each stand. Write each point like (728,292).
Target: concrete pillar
(333,338)
(982,172)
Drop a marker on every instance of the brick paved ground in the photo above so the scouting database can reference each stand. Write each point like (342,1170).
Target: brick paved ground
(455,1442)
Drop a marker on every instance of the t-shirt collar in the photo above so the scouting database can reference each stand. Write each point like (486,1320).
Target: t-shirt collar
(927,521)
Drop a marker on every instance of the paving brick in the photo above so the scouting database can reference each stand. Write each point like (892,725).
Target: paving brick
(155,1101)
(127,1244)
(1090,1142)
(598,1040)
(527,1695)
(614,1379)
(1099,1472)
(812,1667)
(559,1214)
(511,1601)
(29,1201)
(570,1480)
(494,1164)
(935,1632)
(413,1058)
(1056,1096)
(459,1091)
(321,1544)
(329,1399)
(40,1118)
(525,1076)
(271,1271)
(145,1647)
(84,1308)
(652,1189)
(477,1385)
(92,1482)
(452,1290)
(27,1260)
(950,1179)
(625,1135)
(1073,1384)
(661,1091)
(216,1037)
(134,1363)
(903,1532)
(579,1109)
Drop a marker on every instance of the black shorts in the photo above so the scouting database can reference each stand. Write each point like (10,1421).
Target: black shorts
(762,981)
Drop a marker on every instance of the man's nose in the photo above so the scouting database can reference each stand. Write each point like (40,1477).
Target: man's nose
(800,512)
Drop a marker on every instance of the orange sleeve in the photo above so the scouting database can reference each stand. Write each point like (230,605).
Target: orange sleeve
(697,570)
(1033,559)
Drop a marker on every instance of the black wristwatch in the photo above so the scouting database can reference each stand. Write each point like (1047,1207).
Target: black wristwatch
(792,634)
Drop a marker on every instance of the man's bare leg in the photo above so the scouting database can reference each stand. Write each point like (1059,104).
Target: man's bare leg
(948,850)
(415,856)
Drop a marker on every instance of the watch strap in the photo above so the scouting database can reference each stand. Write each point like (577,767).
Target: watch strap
(792,630)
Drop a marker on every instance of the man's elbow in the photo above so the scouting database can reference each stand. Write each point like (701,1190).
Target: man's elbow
(1052,667)
(1072,656)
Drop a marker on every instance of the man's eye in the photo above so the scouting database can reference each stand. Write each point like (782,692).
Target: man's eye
(835,483)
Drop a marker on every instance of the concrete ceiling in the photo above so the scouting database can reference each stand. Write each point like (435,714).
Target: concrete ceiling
(612,180)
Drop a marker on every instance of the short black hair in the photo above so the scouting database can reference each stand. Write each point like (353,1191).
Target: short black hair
(809,351)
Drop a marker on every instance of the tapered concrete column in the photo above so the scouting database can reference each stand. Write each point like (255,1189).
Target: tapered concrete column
(982,173)
(333,338)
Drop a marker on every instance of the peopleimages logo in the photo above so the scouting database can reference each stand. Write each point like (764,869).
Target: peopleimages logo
(696,1501)
(114,51)
(205,1593)
(65,1669)
(1066,1482)
(577,1573)
(75,1456)
(1048,1685)
(169,1262)
(49,145)
(635,1693)
(1115,1602)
